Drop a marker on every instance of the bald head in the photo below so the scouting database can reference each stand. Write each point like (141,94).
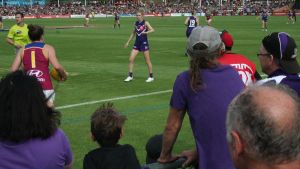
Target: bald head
(267,120)
(276,105)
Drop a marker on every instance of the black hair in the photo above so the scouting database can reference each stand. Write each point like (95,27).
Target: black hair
(19,13)
(24,113)
(35,32)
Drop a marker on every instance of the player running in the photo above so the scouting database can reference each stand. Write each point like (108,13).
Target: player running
(35,58)
(141,29)
(191,22)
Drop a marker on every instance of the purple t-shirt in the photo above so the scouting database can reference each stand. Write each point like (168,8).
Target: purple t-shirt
(52,153)
(207,112)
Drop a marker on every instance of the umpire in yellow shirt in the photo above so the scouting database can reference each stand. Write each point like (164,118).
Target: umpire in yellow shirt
(18,34)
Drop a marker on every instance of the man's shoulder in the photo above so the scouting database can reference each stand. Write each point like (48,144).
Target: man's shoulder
(275,79)
(15,26)
(235,57)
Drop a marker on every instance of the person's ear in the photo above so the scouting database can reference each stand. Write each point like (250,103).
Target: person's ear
(122,132)
(237,143)
(274,60)
(92,137)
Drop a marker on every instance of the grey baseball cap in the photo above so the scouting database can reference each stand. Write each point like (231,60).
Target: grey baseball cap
(206,35)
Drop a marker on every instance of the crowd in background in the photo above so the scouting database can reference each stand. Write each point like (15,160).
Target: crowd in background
(78,8)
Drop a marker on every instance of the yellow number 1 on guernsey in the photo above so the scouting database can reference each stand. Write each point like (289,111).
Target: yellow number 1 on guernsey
(33,59)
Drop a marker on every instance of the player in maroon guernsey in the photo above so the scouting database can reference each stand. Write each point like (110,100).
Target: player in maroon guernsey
(35,58)
(245,68)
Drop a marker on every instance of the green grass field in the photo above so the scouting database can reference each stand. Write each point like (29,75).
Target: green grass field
(97,64)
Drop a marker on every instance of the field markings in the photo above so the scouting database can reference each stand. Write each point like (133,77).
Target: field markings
(112,99)
(117,98)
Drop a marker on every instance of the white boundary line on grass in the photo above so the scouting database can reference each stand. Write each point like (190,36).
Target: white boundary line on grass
(112,99)
(117,98)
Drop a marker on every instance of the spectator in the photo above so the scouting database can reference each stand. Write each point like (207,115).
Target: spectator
(246,68)
(263,128)
(37,65)
(205,92)
(153,148)
(18,33)
(278,59)
(29,134)
(107,129)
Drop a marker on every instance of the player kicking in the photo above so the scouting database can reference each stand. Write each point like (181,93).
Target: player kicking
(35,58)
(141,29)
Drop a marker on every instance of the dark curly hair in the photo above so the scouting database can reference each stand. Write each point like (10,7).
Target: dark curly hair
(106,125)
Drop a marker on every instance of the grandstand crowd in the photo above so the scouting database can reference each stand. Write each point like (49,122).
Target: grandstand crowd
(77,8)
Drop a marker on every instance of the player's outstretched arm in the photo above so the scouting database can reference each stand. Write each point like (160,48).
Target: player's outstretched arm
(53,60)
(17,62)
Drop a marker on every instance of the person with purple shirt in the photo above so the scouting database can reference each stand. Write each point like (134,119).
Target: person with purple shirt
(278,59)
(29,133)
(204,92)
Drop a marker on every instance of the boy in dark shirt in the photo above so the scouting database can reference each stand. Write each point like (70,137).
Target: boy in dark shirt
(107,129)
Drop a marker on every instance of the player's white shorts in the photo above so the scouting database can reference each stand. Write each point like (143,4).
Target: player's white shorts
(87,19)
(51,94)
(209,21)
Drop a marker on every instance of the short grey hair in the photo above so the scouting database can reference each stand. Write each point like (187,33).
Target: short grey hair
(264,140)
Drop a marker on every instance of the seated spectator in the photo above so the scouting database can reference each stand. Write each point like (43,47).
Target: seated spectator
(263,128)
(245,68)
(278,59)
(204,92)
(153,148)
(107,129)
(29,134)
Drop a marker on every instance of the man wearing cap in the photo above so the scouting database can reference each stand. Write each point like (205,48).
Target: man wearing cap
(204,92)
(245,68)
(278,59)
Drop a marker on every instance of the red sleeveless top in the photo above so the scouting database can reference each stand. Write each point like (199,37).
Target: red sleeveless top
(36,64)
